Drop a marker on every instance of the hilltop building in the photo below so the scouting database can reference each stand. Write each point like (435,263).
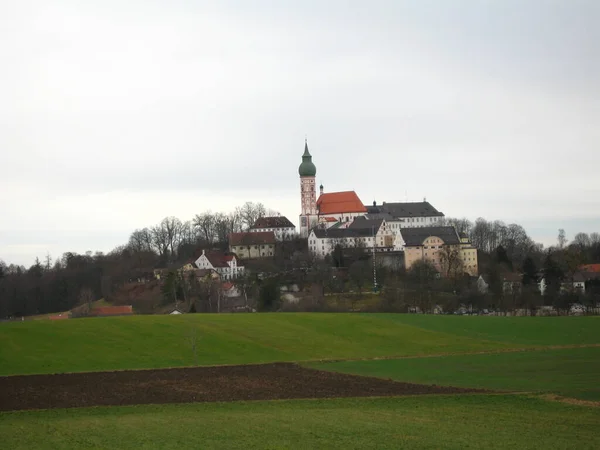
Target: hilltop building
(329,208)
(257,244)
(308,194)
(441,246)
(359,234)
(225,265)
(403,230)
(279,225)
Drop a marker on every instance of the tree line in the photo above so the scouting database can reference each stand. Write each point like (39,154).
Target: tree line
(72,279)
(55,285)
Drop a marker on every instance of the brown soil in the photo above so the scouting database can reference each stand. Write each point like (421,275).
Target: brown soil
(200,384)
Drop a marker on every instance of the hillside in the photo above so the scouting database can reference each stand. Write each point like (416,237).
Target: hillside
(138,342)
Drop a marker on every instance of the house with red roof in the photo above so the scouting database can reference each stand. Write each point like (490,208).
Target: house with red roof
(225,264)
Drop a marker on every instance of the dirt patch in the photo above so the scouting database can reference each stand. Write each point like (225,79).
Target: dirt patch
(570,401)
(199,384)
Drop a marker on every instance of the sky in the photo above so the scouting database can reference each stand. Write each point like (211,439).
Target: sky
(114,115)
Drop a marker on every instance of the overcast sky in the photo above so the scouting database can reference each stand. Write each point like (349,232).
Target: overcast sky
(116,114)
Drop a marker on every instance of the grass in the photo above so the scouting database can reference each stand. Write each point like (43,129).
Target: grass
(138,342)
(568,372)
(461,421)
(452,422)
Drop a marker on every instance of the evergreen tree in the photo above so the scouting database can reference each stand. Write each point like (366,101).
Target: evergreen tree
(553,276)
(529,272)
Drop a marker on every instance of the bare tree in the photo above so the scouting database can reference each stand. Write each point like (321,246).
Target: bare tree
(451,261)
(251,212)
(582,240)
(141,240)
(173,228)
(562,238)
(206,224)
(160,239)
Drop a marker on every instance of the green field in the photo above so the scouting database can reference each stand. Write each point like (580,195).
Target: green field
(164,341)
(569,372)
(528,356)
(476,422)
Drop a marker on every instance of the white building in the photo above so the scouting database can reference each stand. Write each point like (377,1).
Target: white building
(279,225)
(225,265)
(360,233)
(404,215)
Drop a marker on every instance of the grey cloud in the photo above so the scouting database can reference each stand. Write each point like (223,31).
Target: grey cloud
(486,108)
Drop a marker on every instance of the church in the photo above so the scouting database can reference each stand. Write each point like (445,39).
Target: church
(413,229)
(331,207)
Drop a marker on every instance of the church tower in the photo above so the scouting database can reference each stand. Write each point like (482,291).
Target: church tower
(308,194)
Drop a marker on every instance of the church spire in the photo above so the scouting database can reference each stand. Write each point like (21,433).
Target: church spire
(307,168)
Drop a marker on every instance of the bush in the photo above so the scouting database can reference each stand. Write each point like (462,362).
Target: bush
(268,295)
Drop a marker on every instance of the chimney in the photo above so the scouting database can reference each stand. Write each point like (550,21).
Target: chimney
(321,189)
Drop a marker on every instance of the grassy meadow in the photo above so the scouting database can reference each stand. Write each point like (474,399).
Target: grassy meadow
(449,422)
(143,342)
(571,372)
(523,358)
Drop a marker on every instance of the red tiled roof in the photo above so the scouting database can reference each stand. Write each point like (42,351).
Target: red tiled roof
(227,285)
(330,219)
(112,310)
(217,259)
(590,268)
(252,238)
(340,203)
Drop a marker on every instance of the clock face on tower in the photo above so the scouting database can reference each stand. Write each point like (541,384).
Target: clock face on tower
(303,222)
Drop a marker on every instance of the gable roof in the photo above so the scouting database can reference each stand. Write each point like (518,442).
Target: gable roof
(407,209)
(416,236)
(272,222)
(252,238)
(590,268)
(362,222)
(217,259)
(340,203)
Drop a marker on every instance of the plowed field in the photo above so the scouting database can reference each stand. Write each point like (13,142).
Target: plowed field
(200,384)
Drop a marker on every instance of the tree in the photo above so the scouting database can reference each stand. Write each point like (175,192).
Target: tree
(250,213)
(451,262)
(553,276)
(206,224)
(582,240)
(501,257)
(268,295)
(169,288)
(562,238)
(529,272)
(360,273)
